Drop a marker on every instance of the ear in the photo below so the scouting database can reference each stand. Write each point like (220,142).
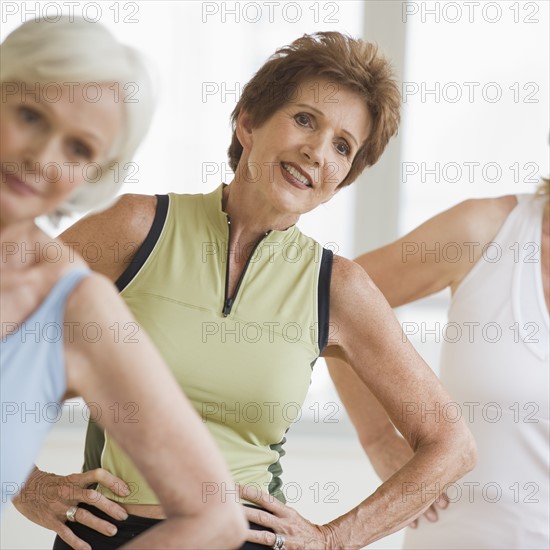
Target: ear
(244,130)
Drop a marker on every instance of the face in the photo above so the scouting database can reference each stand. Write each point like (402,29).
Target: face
(304,151)
(46,146)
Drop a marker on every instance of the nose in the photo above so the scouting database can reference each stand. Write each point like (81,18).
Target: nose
(313,150)
(39,150)
(41,158)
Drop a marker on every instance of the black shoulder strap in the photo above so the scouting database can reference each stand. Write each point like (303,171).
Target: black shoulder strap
(323,297)
(148,244)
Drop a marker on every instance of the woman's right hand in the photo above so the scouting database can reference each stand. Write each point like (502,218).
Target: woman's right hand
(45,499)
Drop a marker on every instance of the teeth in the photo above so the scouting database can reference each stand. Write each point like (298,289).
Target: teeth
(298,175)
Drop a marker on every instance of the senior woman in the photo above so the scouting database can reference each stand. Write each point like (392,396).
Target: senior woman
(238,300)
(49,297)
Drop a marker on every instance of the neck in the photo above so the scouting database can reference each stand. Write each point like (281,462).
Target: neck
(251,215)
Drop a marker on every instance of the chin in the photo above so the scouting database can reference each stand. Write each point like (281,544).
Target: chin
(287,201)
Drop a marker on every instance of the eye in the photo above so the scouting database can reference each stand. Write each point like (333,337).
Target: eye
(303,119)
(28,115)
(343,148)
(80,149)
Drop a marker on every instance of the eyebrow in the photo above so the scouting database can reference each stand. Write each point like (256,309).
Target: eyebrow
(344,131)
(93,137)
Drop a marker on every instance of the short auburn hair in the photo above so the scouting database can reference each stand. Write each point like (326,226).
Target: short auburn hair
(350,63)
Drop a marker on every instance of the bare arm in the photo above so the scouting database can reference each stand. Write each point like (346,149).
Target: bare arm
(387,450)
(404,273)
(371,341)
(437,254)
(169,444)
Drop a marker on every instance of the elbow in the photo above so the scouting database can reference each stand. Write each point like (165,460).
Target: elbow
(221,525)
(230,525)
(239,526)
(471,453)
(465,449)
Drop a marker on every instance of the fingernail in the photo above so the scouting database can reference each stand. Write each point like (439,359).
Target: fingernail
(125,490)
(112,530)
(122,516)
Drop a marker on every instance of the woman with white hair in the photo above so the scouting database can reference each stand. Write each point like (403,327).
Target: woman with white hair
(75,105)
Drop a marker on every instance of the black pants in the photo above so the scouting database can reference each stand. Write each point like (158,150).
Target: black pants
(127,530)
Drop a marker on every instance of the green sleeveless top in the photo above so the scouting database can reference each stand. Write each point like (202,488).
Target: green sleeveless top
(244,361)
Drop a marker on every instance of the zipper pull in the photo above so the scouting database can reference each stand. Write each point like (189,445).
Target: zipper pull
(227,306)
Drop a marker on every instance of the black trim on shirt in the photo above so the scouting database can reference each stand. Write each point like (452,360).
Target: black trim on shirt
(323,297)
(148,244)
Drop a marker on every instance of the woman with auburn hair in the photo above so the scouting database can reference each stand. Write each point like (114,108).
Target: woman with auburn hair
(498,380)
(212,265)
(47,143)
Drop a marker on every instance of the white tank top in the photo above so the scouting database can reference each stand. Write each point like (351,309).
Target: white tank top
(494,363)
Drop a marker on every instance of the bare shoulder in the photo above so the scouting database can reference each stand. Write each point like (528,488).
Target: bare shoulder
(352,291)
(480,219)
(129,218)
(348,277)
(109,240)
(476,222)
(92,295)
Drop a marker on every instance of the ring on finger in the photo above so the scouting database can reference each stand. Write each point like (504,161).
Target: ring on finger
(279,542)
(71,513)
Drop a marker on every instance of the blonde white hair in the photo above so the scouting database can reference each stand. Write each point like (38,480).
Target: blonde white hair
(74,50)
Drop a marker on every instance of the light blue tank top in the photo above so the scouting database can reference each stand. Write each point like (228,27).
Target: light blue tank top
(32,369)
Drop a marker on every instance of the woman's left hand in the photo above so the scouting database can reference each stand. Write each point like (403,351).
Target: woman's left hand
(297,532)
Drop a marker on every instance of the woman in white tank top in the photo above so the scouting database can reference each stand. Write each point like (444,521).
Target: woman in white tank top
(494,363)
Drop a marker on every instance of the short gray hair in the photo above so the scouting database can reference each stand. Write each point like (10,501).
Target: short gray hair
(73,50)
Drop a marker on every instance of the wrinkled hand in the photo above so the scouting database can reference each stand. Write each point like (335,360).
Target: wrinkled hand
(441,503)
(46,498)
(298,532)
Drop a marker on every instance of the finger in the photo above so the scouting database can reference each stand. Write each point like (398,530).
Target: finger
(442,501)
(93,522)
(114,483)
(105,478)
(430,514)
(265,519)
(261,498)
(261,537)
(71,539)
(413,524)
(93,498)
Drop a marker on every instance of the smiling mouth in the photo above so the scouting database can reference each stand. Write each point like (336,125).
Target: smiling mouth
(296,174)
(17,185)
